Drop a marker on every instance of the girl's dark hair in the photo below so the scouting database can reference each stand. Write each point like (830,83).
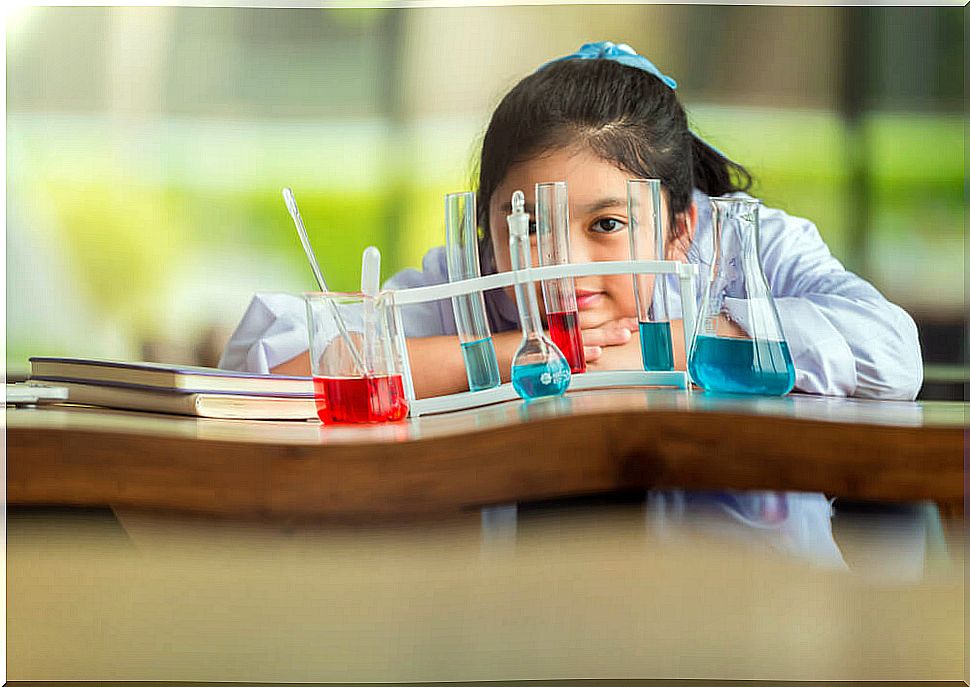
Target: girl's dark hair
(625,115)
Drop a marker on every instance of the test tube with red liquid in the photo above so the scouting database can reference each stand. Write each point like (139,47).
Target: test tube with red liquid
(343,392)
(559,295)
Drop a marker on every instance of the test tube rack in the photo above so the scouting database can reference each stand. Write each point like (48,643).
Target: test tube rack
(685,272)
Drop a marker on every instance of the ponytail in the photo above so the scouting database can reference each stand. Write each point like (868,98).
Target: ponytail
(715,174)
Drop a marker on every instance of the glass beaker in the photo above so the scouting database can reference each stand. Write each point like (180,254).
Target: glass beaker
(739,345)
(461,247)
(650,290)
(344,391)
(559,295)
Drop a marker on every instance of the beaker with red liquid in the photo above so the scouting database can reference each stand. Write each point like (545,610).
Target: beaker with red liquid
(355,358)
(559,295)
(373,398)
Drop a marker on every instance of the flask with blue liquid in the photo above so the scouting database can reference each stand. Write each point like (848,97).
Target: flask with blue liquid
(474,334)
(739,345)
(539,368)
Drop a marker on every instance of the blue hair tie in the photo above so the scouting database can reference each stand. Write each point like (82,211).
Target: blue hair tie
(624,54)
(615,52)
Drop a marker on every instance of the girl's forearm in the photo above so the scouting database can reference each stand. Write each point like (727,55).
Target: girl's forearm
(438,368)
(437,365)
(297,367)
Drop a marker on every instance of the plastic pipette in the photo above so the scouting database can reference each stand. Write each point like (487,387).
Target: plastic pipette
(370,284)
(305,240)
(539,368)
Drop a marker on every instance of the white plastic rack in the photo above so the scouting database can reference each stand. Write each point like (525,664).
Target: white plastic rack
(686,274)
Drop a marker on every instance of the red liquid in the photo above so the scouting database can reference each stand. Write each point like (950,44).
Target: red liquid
(379,398)
(564,330)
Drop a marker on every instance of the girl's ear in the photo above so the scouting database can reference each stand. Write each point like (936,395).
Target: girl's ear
(683,234)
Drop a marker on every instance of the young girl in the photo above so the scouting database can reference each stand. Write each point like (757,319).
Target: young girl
(595,119)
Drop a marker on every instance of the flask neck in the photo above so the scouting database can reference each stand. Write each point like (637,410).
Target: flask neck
(736,229)
(525,293)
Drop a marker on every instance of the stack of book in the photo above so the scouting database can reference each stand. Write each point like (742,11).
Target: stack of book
(184,390)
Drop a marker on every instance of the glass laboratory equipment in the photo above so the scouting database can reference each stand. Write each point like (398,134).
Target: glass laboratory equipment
(539,368)
(646,231)
(461,241)
(739,345)
(559,295)
(341,327)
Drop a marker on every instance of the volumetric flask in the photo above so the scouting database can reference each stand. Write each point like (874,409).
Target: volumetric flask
(559,295)
(538,368)
(646,232)
(461,242)
(739,345)
(342,390)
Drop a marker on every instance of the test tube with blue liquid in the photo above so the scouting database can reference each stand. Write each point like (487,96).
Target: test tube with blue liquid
(539,368)
(559,295)
(646,231)
(461,241)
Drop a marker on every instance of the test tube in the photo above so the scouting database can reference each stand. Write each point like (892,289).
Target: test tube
(559,295)
(647,243)
(461,241)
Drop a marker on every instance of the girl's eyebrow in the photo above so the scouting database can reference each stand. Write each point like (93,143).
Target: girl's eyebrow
(603,204)
(595,206)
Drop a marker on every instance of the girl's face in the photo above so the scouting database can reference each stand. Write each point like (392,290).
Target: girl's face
(598,226)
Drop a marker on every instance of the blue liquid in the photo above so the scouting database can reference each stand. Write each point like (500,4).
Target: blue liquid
(541,379)
(742,366)
(655,344)
(481,365)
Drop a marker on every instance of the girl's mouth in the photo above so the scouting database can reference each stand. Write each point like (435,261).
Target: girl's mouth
(587,299)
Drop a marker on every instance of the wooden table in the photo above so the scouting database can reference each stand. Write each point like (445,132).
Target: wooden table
(275,590)
(585,443)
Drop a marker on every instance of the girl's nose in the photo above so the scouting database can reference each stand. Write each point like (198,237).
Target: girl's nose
(580,249)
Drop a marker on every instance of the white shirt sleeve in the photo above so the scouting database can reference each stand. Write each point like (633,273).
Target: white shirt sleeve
(273,329)
(426,319)
(845,337)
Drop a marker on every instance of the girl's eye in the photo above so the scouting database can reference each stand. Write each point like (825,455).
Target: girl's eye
(608,225)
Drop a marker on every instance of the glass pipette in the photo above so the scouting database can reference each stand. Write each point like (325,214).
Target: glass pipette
(539,368)
(294,211)
(370,285)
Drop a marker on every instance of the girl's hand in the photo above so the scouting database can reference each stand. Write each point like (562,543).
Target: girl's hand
(611,334)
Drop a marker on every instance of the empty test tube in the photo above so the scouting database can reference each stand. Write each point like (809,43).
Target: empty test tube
(646,232)
(559,295)
(461,241)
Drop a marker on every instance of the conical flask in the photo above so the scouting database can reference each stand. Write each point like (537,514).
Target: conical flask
(739,345)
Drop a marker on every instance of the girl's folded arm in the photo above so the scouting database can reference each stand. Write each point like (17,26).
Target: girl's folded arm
(845,337)
(272,336)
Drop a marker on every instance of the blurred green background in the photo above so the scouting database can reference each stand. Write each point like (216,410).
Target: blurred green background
(147,146)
